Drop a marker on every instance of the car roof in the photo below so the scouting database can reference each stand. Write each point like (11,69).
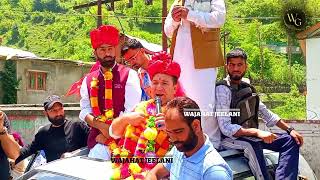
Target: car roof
(83,167)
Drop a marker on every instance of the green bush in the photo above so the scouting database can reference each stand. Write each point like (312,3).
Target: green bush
(295,106)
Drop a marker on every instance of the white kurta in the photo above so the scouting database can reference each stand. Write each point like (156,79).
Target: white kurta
(132,98)
(199,84)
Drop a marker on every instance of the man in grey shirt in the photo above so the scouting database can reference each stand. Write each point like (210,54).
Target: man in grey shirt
(244,134)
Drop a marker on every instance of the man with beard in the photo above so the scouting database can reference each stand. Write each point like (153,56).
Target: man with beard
(109,90)
(242,132)
(58,137)
(194,156)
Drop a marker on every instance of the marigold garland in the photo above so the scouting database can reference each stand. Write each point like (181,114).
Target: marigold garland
(140,142)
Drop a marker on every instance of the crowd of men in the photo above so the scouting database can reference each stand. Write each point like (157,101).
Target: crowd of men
(185,81)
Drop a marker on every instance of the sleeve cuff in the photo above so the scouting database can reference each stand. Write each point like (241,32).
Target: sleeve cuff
(235,130)
(83,114)
(111,134)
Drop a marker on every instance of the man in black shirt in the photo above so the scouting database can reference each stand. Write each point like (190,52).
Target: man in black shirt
(60,136)
(9,148)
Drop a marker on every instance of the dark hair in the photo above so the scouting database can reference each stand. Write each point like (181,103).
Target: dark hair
(175,80)
(188,108)
(130,44)
(236,53)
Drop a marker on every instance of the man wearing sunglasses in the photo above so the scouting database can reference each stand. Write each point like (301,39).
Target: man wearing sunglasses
(137,58)
(58,137)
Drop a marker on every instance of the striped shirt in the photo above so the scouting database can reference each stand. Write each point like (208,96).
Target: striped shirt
(223,100)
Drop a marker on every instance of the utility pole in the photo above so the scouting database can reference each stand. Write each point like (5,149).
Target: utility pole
(99,4)
(99,20)
(164,14)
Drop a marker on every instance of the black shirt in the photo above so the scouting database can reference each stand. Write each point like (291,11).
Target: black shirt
(4,163)
(55,141)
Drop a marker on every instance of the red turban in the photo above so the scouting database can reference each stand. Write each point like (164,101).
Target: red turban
(161,62)
(105,34)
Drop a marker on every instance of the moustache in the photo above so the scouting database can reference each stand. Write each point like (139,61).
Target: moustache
(59,117)
(108,58)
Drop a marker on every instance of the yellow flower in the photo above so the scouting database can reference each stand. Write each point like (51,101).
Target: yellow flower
(124,153)
(94,101)
(94,82)
(135,168)
(108,75)
(129,131)
(102,118)
(108,93)
(116,151)
(150,133)
(113,146)
(109,114)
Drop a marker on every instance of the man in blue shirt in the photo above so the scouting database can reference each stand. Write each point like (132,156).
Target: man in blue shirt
(194,157)
(136,55)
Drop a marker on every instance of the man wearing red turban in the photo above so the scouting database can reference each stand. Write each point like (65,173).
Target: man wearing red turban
(109,90)
(164,76)
(141,132)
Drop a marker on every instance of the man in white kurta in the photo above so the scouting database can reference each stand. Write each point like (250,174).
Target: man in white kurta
(125,84)
(199,84)
(132,97)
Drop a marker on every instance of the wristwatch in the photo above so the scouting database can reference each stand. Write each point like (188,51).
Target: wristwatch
(289,130)
(4,131)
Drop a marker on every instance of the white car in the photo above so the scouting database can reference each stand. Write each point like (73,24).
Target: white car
(79,166)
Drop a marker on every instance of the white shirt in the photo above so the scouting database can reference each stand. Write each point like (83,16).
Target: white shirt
(205,14)
(199,84)
(132,95)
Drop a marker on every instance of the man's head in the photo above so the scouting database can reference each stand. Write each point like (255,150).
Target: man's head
(53,109)
(236,64)
(104,41)
(164,75)
(182,126)
(134,53)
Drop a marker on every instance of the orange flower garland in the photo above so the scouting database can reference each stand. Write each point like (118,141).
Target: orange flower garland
(107,115)
(140,142)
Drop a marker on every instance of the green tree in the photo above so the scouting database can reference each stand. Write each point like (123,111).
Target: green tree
(15,35)
(9,82)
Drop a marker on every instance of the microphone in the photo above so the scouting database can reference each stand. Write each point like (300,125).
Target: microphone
(158,104)
(158,110)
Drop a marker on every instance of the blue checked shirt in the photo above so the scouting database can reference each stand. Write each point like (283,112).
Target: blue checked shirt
(205,164)
(145,83)
(223,100)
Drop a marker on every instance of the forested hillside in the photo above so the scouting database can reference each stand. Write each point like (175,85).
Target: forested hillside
(51,28)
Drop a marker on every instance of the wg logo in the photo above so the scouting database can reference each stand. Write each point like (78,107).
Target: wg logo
(295,19)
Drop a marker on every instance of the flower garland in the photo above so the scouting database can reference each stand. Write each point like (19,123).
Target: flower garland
(140,142)
(107,115)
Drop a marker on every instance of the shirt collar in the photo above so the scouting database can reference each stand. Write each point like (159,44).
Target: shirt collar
(141,70)
(202,152)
